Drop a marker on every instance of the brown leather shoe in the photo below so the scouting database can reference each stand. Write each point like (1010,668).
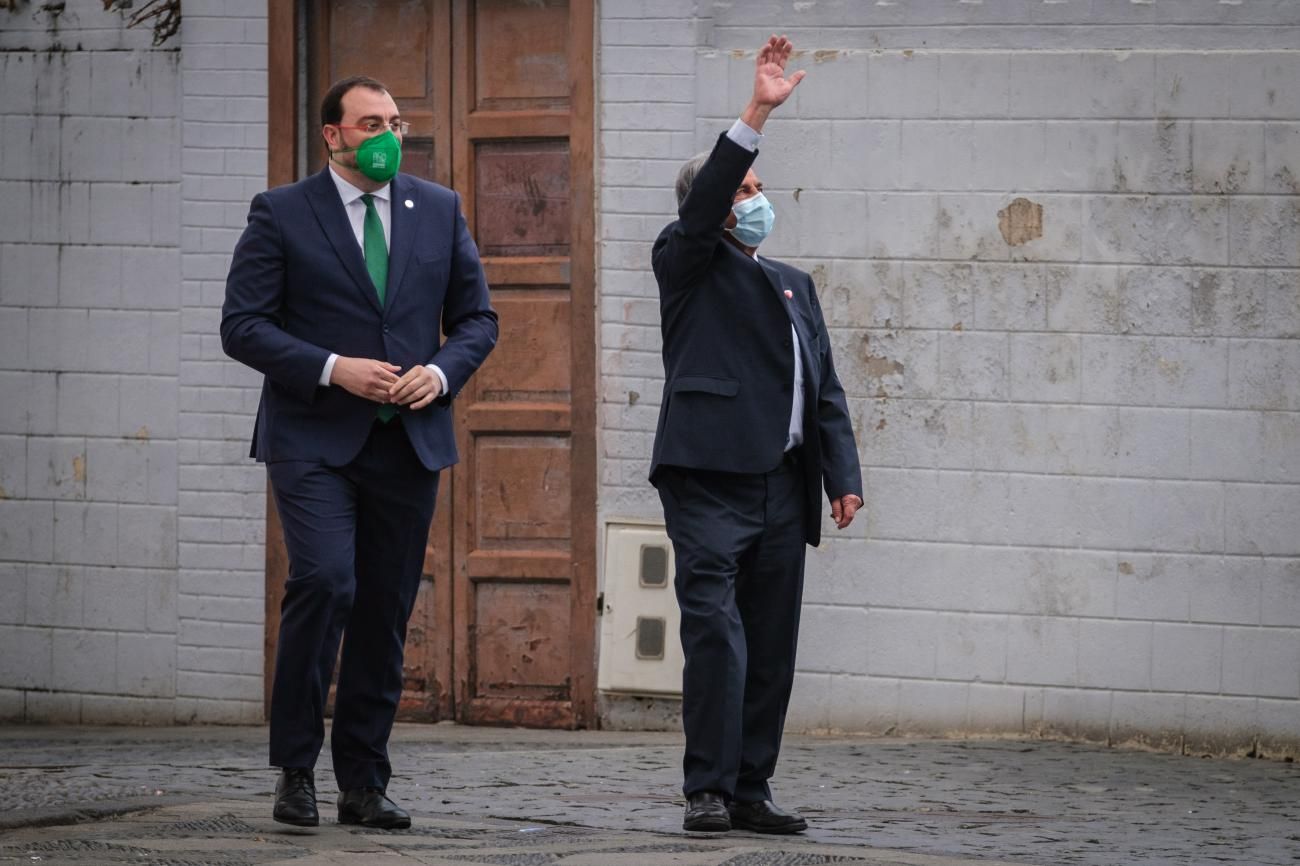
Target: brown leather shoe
(370,807)
(764,816)
(706,812)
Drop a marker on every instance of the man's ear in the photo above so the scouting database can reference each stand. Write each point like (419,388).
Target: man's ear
(730,221)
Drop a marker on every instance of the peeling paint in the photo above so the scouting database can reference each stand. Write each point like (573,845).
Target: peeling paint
(1171,370)
(1125,568)
(79,469)
(142,433)
(824,55)
(632,397)
(878,367)
(1021,222)
(4,494)
(796,192)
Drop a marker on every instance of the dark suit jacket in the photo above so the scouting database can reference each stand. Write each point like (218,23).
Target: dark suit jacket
(728,363)
(298,290)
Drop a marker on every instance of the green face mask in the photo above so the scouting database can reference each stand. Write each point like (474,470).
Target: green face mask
(378,158)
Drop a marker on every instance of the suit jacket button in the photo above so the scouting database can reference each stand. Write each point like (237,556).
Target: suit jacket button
(785,343)
(385,329)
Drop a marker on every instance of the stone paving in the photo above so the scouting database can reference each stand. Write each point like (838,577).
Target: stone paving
(517,798)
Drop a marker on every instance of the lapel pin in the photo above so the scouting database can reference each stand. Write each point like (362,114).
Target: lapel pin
(409,203)
(789,294)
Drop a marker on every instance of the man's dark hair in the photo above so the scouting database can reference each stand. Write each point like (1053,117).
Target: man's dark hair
(331,107)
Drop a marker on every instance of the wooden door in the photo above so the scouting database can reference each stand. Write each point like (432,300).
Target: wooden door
(499,96)
(524,498)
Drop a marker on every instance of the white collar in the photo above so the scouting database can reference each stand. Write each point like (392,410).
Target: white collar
(350,193)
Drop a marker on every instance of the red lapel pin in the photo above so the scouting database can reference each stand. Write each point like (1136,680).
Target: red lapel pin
(789,294)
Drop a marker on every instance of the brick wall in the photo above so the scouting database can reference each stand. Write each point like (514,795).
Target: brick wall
(222,494)
(131,522)
(89,330)
(1079,438)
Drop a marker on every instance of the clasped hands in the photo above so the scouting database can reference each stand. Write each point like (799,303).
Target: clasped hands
(379,382)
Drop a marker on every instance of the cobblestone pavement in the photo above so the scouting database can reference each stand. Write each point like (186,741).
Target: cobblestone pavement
(518,798)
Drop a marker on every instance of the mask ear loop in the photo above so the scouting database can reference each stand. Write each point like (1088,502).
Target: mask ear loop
(333,153)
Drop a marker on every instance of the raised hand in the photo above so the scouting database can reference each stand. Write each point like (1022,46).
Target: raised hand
(771,87)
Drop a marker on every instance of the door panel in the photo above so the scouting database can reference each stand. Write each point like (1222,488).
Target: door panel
(506,77)
(531,360)
(522,617)
(521,198)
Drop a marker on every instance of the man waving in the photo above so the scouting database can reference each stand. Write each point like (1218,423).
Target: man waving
(752,424)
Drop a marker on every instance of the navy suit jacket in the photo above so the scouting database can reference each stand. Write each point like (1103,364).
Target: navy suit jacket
(728,362)
(298,290)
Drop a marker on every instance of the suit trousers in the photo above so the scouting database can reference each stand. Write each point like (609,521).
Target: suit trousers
(356,537)
(738,540)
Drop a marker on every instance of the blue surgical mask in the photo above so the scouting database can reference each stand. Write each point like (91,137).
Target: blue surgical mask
(754,220)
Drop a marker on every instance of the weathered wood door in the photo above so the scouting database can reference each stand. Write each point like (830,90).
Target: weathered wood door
(499,96)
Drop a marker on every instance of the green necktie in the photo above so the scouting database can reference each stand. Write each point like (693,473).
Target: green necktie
(375,248)
(376,251)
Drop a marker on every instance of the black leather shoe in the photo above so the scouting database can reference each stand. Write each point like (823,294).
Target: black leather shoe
(706,812)
(370,807)
(764,816)
(295,798)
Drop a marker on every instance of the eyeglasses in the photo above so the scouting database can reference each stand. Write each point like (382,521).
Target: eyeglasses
(399,127)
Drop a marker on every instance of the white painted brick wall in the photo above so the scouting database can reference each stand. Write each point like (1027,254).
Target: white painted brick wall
(131,525)
(1080,451)
(89,338)
(221,494)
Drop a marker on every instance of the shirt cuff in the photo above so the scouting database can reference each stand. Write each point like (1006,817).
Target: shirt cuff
(442,377)
(329,369)
(744,135)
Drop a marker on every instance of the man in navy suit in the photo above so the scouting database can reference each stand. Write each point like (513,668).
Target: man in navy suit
(752,424)
(337,293)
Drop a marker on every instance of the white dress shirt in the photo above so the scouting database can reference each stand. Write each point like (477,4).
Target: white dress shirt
(356,211)
(745,136)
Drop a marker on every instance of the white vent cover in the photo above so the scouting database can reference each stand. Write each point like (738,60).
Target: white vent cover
(640,648)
